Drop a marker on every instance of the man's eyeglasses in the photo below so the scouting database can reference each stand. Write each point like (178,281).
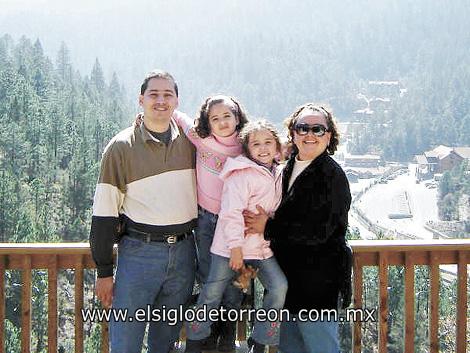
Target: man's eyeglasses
(316,129)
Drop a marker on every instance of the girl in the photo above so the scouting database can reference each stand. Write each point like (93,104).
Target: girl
(215,137)
(249,180)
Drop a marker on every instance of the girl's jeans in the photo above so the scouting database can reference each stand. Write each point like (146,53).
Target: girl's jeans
(207,221)
(221,275)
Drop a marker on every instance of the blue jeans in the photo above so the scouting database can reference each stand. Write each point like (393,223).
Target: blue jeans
(221,275)
(207,222)
(156,274)
(309,337)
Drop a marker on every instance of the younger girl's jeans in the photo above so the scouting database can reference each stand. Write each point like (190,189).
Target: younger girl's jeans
(221,275)
(207,222)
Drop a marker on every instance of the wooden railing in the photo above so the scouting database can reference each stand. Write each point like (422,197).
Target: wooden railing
(55,257)
(385,253)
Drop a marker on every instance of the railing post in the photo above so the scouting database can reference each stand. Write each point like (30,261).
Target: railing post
(78,304)
(241,330)
(409,303)
(2,303)
(26,306)
(383,301)
(462,303)
(434,298)
(52,305)
(104,337)
(358,284)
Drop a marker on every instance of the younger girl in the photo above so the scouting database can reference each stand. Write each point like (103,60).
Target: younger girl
(249,180)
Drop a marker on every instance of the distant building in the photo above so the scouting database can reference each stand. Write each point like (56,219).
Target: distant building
(363,112)
(384,83)
(464,152)
(353,177)
(349,129)
(363,161)
(440,159)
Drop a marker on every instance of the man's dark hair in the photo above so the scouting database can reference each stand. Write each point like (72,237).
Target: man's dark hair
(158,74)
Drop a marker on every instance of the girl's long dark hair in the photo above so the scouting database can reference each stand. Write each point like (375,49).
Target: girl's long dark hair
(203,128)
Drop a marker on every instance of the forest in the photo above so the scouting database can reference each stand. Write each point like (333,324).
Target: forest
(54,124)
(454,188)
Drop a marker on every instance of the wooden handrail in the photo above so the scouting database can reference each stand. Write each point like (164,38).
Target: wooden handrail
(379,253)
(361,246)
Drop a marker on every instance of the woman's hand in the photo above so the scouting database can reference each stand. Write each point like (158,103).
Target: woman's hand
(255,222)
(236,258)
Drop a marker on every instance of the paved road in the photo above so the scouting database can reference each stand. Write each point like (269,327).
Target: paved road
(353,219)
(399,196)
(382,199)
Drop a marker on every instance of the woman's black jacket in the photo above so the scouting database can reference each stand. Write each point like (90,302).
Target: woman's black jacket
(307,236)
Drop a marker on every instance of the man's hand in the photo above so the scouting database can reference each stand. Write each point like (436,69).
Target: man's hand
(139,119)
(104,290)
(255,222)
(236,259)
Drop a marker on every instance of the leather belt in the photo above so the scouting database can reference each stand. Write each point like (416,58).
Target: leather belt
(152,237)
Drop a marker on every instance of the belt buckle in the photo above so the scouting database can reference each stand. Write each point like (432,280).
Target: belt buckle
(171,239)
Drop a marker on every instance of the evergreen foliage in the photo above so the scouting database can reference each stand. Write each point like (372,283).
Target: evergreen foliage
(454,185)
(54,125)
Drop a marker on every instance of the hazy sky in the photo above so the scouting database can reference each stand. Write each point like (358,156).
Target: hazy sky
(122,34)
(114,28)
(265,40)
(54,21)
(132,38)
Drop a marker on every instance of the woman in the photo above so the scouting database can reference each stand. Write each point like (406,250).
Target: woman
(308,230)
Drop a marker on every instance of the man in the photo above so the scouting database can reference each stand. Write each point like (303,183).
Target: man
(147,180)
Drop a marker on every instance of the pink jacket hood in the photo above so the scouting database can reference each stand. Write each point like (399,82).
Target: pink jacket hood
(246,184)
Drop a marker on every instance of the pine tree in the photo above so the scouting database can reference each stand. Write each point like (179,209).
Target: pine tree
(97,77)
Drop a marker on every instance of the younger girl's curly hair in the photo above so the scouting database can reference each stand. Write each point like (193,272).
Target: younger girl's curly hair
(330,121)
(203,128)
(255,126)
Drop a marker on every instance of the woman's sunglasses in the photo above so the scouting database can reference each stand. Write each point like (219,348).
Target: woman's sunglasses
(316,129)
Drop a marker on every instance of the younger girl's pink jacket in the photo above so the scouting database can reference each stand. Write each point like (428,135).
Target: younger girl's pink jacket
(246,184)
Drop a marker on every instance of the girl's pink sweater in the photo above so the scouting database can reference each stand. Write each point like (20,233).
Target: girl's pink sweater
(211,154)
